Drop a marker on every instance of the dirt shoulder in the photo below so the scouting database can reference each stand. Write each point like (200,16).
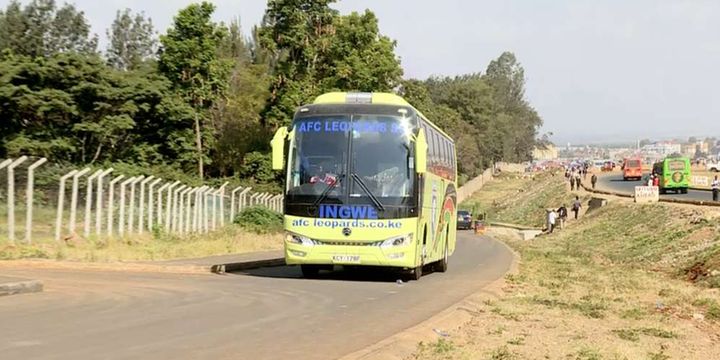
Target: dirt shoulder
(625,281)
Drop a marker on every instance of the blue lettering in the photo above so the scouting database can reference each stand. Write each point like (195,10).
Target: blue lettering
(331,211)
(372,213)
(359,212)
(317,126)
(345,212)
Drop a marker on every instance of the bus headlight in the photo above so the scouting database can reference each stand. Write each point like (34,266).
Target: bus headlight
(298,239)
(397,241)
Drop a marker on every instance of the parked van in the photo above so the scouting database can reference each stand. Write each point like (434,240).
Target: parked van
(632,169)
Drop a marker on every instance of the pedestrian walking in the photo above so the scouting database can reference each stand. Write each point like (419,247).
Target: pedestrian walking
(593,180)
(572,183)
(562,215)
(715,188)
(578,180)
(552,216)
(650,180)
(576,206)
(656,181)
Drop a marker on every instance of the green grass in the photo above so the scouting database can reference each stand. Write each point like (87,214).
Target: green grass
(511,198)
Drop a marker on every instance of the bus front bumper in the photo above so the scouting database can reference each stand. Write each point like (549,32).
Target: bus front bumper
(364,255)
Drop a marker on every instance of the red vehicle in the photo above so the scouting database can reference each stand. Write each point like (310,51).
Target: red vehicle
(632,169)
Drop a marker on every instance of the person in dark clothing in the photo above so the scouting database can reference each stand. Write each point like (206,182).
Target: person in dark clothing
(572,183)
(593,181)
(562,215)
(576,206)
(715,189)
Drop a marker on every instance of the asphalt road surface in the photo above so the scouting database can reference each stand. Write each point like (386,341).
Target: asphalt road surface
(269,313)
(615,182)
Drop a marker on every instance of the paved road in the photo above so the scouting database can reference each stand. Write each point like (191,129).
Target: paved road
(268,313)
(615,182)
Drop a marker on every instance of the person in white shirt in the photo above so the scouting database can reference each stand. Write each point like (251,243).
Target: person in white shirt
(552,216)
(715,188)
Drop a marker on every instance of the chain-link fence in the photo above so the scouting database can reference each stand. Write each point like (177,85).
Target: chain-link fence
(46,202)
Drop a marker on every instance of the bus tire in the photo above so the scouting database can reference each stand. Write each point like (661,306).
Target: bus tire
(416,273)
(684,190)
(442,265)
(310,271)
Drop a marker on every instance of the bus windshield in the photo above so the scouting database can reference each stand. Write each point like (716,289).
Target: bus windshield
(633,164)
(329,151)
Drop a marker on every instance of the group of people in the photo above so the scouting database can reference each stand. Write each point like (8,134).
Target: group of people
(560,215)
(576,174)
(653,180)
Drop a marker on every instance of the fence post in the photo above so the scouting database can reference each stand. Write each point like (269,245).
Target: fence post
(183,210)
(61,200)
(74,200)
(131,215)
(88,203)
(99,201)
(232,202)
(206,210)
(159,203)
(111,204)
(222,203)
(29,198)
(121,221)
(242,200)
(151,203)
(141,217)
(11,197)
(197,210)
(176,195)
(168,205)
(188,210)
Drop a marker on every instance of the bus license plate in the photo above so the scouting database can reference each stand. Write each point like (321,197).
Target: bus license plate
(346,259)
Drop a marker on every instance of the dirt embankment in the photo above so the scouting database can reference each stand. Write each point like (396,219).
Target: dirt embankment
(625,281)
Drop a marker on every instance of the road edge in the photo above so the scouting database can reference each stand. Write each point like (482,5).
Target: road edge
(404,343)
(219,268)
(20,287)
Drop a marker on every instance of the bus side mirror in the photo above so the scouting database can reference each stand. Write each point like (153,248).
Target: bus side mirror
(421,148)
(278,148)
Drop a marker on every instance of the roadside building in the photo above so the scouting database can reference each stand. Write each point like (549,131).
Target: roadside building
(547,152)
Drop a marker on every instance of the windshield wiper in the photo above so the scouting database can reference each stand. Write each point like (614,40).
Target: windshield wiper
(364,187)
(327,190)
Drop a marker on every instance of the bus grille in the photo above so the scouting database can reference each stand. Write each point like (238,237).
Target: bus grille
(348,243)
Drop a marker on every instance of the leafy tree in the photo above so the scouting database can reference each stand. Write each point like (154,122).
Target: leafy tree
(189,58)
(132,40)
(42,29)
(296,34)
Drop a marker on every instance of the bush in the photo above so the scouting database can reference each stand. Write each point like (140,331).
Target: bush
(260,220)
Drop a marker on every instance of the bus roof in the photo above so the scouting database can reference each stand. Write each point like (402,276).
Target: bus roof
(378,98)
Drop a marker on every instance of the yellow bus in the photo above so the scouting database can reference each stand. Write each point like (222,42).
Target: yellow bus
(369,182)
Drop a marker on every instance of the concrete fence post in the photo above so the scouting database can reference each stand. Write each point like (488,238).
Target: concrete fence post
(74,200)
(175,219)
(131,215)
(188,210)
(141,217)
(88,202)
(11,197)
(243,199)
(160,202)
(197,209)
(29,198)
(121,221)
(232,202)
(222,204)
(61,200)
(181,210)
(151,203)
(111,204)
(99,201)
(168,206)
(206,210)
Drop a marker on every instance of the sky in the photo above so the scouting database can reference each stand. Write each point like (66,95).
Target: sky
(597,71)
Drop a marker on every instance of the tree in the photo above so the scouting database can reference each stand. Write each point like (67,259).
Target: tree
(359,58)
(132,40)
(189,58)
(42,29)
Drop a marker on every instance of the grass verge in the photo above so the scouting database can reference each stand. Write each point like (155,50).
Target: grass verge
(625,281)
